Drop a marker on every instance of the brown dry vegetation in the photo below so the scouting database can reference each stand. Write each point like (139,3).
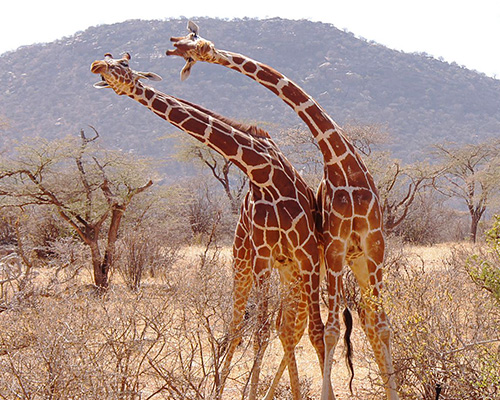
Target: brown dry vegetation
(166,340)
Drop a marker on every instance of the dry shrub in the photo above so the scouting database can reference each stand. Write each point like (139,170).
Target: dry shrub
(430,221)
(445,330)
(158,342)
(202,291)
(203,298)
(13,278)
(145,252)
(23,277)
(8,218)
(81,347)
(284,390)
(69,256)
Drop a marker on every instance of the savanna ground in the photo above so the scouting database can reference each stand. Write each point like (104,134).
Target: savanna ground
(165,338)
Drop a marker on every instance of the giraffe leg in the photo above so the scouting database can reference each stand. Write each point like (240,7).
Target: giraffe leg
(290,324)
(262,334)
(274,384)
(242,285)
(310,266)
(300,326)
(288,342)
(332,328)
(242,289)
(367,271)
(316,327)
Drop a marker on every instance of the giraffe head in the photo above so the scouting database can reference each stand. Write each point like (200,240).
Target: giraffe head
(117,75)
(192,48)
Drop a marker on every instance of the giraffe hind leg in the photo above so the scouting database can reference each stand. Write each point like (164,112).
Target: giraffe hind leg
(334,263)
(373,318)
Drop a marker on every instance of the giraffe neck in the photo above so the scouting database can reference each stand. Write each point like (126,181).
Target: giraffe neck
(339,155)
(255,156)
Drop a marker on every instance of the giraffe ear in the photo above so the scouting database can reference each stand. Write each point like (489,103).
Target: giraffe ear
(101,85)
(149,75)
(193,27)
(186,70)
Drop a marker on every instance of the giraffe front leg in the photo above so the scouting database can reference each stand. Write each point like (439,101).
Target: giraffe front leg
(287,338)
(311,260)
(242,285)
(300,326)
(263,331)
(290,325)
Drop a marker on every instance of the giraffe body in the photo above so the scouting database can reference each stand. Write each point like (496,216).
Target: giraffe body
(347,195)
(278,220)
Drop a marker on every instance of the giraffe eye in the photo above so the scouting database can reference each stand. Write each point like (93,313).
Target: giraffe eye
(124,63)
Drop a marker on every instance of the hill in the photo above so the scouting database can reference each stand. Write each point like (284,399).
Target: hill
(47,88)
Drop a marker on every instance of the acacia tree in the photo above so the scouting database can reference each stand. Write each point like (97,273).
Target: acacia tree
(233,181)
(398,186)
(471,173)
(89,187)
(367,138)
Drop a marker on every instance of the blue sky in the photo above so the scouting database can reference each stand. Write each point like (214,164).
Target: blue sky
(466,32)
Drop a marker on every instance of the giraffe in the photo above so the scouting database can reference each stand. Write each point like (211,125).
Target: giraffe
(278,224)
(349,201)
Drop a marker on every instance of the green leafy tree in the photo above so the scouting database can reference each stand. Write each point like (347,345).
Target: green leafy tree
(89,188)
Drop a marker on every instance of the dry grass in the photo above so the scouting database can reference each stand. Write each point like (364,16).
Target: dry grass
(166,341)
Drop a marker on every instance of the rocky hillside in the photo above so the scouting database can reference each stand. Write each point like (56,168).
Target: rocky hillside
(46,89)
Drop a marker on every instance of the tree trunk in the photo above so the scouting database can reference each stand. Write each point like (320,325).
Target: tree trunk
(100,271)
(107,261)
(476,215)
(473,227)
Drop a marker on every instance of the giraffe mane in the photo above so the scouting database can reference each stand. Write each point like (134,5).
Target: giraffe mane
(250,129)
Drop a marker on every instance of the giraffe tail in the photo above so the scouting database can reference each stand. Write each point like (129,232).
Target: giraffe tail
(438,390)
(348,345)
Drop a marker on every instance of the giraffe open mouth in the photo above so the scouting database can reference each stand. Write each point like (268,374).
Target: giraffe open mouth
(98,67)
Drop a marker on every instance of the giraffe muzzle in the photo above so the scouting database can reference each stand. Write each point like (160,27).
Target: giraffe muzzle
(98,67)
